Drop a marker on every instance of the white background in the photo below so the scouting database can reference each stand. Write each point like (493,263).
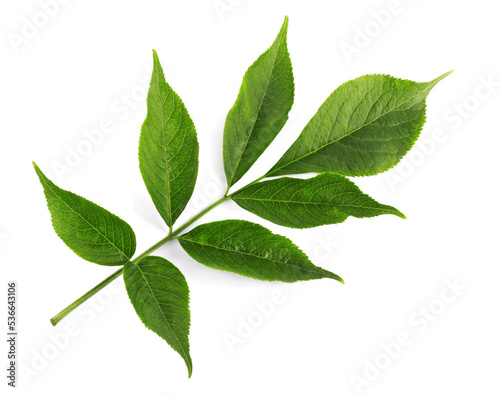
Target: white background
(87,63)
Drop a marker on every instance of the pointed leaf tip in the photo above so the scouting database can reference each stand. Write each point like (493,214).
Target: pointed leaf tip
(92,232)
(285,23)
(168,148)
(160,296)
(37,169)
(446,74)
(381,119)
(440,78)
(156,60)
(250,250)
(260,110)
(328,198)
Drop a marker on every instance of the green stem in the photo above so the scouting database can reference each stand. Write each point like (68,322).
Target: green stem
(172,235)
(199,215)
(58,317)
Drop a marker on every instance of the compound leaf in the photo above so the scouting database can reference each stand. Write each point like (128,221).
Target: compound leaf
(365,127)
(250,250)
(325,199)
(160,296)
(92,232)
(168,148)
(261,108)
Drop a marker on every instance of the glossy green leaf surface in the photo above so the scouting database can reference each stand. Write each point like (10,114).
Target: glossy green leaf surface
(325,199)
(160,296)
(365,127)
(168,148)
(250,250)
(261,108)
(92,232)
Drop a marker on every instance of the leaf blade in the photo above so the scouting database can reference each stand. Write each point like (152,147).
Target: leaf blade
(260,110)
(326,199)
(364,127)
(91,231)
(163,306)
(168,148)
(250,250)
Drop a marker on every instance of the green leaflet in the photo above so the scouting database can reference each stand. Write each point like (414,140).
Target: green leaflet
(92,232)
(325,199)
(160,296)
(251,250)
(168,148)
(365,127)
(261,109)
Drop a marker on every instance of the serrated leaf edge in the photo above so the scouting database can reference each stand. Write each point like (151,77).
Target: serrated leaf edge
(431,85)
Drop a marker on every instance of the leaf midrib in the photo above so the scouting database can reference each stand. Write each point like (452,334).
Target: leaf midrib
(343,136)
(184,355)
(257,116)
(307,203)
(252,255)
(158,85)
(85,220)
